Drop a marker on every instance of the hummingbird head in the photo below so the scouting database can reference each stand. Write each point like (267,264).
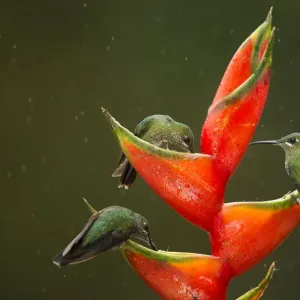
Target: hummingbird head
(164,129)
(106,229)
(289,143)
(143,231)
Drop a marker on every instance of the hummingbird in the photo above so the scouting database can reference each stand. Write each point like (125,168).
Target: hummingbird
(108,228)
(291,145)
(161,131)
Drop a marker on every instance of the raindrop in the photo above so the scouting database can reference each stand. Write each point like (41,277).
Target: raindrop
(107,48)
(28,119)
(112,38)
(43,290)
(23,168)
(186,58)
(9,174)
(32,215)
(86,139)
(76,118)
(29,100)
(163,52)
(44,159)
(84,5)
(231,31)
(15,46)
(82,113)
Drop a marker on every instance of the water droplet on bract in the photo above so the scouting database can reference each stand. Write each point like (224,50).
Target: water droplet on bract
(86,139)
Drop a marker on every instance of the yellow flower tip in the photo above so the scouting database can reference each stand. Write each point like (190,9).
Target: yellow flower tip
(112,121)
(269,16)
(271,271)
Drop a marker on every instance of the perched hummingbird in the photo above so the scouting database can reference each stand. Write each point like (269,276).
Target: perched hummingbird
(106,229)
(291,146)
(161,131)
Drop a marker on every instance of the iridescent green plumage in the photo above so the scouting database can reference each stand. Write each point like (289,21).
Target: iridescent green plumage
(161,131)
(106,229)
(291,146)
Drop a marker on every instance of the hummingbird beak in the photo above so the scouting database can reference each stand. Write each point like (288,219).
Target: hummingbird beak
(152,245)
(271,142)
(145,237)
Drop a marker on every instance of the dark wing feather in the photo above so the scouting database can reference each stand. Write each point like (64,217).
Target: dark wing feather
(124,168)
(78,238)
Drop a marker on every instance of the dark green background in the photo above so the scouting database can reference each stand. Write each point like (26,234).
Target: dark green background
(60,61)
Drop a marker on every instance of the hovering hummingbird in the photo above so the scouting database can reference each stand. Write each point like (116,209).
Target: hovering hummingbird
(161,131)
(291,146)
(106,229)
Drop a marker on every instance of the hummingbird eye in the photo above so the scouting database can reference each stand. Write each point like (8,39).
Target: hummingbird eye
(292,141)
(146,226)
(186,139)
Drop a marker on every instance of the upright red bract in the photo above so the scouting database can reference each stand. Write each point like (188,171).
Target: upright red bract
(239,101)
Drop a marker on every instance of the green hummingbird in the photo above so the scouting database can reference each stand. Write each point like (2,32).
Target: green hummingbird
(108,228)
(161,131)
(291,146)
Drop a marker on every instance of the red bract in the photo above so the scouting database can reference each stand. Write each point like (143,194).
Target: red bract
(240,99)
(186,276)
(179,276)
(245,233)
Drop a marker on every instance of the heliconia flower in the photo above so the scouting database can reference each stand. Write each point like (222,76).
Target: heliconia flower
(179,276)
(238,104)
(245,233)
(194,184)
(258,291)
(187,182)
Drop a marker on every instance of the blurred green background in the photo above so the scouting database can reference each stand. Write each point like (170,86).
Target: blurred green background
(60,61)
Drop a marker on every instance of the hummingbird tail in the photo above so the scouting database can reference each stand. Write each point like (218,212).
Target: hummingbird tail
(128,177)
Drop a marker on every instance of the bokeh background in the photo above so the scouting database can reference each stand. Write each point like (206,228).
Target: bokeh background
(60,61)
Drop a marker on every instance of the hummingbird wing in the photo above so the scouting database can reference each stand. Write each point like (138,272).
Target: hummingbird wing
(79,237)
(124,168)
